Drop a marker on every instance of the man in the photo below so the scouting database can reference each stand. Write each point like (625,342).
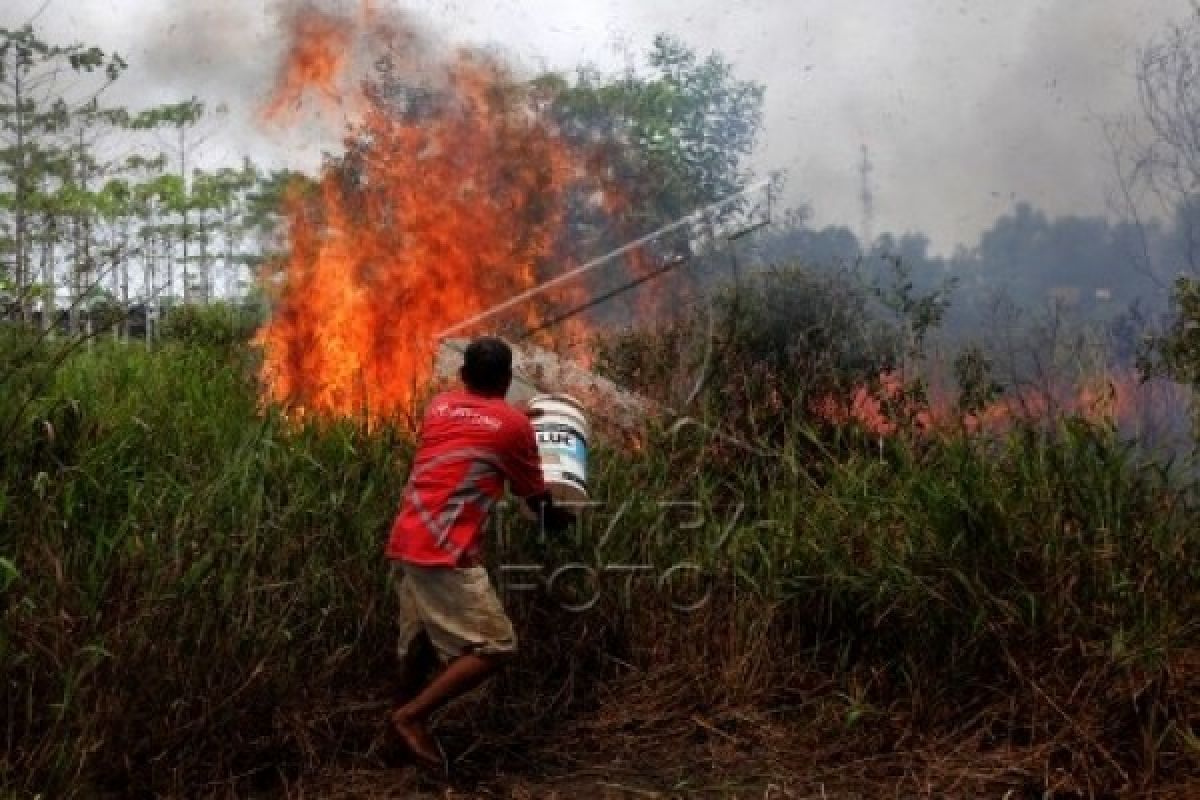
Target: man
(471,442)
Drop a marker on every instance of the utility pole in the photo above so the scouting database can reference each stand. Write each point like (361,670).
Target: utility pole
(867,198)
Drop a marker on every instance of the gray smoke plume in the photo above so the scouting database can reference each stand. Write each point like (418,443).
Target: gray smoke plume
(966,105)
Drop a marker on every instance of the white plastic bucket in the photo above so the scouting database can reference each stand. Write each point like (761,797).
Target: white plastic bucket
(562,434)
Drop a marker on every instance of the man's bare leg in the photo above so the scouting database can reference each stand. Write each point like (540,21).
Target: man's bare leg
(461,676)
(416,668)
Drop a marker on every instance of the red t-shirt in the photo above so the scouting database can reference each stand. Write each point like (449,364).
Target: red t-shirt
(468,446)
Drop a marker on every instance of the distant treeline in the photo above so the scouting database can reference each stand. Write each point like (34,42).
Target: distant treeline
(1026,259)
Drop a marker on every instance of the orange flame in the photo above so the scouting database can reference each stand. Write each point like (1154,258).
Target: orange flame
(1120,399)
(316,59)
(445,203)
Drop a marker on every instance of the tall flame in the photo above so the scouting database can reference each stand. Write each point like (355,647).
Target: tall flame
(444,204)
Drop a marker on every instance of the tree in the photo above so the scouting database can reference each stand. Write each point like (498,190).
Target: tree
(178,126)
(1157,157)
(220,198)
(36,102)
(675,138)
(663,140)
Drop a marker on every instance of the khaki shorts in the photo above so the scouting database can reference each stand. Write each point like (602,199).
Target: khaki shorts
(457,608)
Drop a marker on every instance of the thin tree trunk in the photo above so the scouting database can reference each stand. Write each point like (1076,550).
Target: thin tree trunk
(73,293)
(147,280)
(230,270)
(184,210)
(20,180)
(125,279)
(120,278)
(206,270)
(169,250)
(49,281)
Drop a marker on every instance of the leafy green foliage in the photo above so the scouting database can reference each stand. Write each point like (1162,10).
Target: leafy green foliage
(1176,351)
(973,373)
(86,203)
(765,350)
(1179,347)
(39,98)
(174,115)
(675,137)
(220,326)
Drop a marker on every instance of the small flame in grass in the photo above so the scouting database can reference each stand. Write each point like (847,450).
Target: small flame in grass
(1121,399)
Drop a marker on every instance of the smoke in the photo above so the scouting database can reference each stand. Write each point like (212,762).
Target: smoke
(966,106)
(1032,130)
(330,52)
(203,49)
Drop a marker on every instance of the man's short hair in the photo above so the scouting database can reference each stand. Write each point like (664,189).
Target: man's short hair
(487,365)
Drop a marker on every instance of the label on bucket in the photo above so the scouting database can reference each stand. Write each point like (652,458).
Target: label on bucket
(562,440)
(561,431)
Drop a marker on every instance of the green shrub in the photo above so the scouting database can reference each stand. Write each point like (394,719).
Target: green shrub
(762,353)
(221,326)
(1176,352)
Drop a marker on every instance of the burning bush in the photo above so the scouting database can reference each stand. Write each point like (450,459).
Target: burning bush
(463,185)
(443,206)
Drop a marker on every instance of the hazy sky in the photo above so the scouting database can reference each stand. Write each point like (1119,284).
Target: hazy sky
(966,105)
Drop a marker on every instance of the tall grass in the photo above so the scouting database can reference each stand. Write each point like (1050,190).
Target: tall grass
(187,574)
(196,599)
(1040,591)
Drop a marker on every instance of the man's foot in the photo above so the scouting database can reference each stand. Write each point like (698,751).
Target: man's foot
(419,741)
